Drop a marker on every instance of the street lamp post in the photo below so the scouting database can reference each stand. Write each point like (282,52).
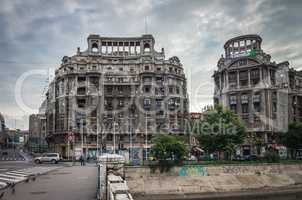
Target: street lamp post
(82,136)
(130,130)
(146,141)
(97,136)
(114,150)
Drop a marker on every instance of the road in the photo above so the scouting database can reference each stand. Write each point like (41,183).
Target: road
(66,183)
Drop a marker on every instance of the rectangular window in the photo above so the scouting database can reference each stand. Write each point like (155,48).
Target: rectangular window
(177,90)
(158,102)
(81,79)
(147,79)
(244,99)
(242,62)
(233,103)
(243,77)
(147,89)
(233,100)
(121,103)
(120,80)
(147,102)
(233,107)
(256,102)
(232,77)
(245,108)
(245,103)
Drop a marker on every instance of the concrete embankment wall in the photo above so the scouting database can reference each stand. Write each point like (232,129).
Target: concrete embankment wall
(209,179)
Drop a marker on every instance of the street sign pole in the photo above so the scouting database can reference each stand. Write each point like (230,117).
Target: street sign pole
(68,152)
(97,136)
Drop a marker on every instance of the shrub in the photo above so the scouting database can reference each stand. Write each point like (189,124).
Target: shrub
(272,157)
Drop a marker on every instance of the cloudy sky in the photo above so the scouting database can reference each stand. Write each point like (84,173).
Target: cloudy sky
(36,34)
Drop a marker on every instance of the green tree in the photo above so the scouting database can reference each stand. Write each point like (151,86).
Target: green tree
(168,147)
(292,139)
(220,130)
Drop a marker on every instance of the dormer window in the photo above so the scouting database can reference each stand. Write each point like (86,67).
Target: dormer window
(147,68)
(147,48)
(94,47)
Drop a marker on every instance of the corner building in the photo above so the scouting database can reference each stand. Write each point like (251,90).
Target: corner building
(265,94)
(116,94)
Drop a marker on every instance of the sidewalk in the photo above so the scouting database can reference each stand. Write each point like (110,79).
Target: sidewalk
(69,183)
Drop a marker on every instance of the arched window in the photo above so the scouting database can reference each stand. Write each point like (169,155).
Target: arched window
(147,48)
(94,47)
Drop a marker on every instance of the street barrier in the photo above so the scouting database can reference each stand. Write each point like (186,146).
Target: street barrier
(111,185)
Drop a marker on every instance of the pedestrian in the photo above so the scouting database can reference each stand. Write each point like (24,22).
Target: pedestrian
(82,160)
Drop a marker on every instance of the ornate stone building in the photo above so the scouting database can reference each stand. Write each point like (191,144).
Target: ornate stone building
(120,89)
(2,123)
(265,94)
(3,135)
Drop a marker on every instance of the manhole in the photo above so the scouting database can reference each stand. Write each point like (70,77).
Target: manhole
(38,193)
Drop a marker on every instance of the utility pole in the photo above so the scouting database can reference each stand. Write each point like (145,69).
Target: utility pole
(130,138)
(82,136)
(97,136)
(114,137)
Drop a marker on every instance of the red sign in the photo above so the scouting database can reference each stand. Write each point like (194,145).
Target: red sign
(70,136)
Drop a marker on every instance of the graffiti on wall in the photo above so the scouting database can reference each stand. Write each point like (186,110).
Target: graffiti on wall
(197,170)
(135,156)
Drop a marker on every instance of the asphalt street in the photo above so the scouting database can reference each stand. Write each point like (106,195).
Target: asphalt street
(65,183)
(16,165)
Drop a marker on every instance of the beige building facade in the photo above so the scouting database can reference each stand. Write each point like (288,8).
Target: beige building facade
(115,96)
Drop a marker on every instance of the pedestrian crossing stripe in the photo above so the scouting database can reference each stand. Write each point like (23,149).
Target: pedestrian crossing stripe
(16,174)
(3,184)
(10,176)
(9,180)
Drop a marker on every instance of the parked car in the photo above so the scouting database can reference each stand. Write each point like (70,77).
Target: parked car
(48,157)
(299,154)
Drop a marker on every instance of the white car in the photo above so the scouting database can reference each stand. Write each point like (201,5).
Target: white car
(48,157)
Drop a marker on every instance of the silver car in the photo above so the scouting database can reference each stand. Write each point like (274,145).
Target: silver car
(48,157)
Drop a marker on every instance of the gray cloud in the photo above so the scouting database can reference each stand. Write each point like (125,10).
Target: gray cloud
(37,34)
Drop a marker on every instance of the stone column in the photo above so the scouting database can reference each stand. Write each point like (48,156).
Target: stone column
(106,48)
(111,47)
(268,76)
(245,46)
(226,82)
(220,84)
(124,48)
(135,52)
